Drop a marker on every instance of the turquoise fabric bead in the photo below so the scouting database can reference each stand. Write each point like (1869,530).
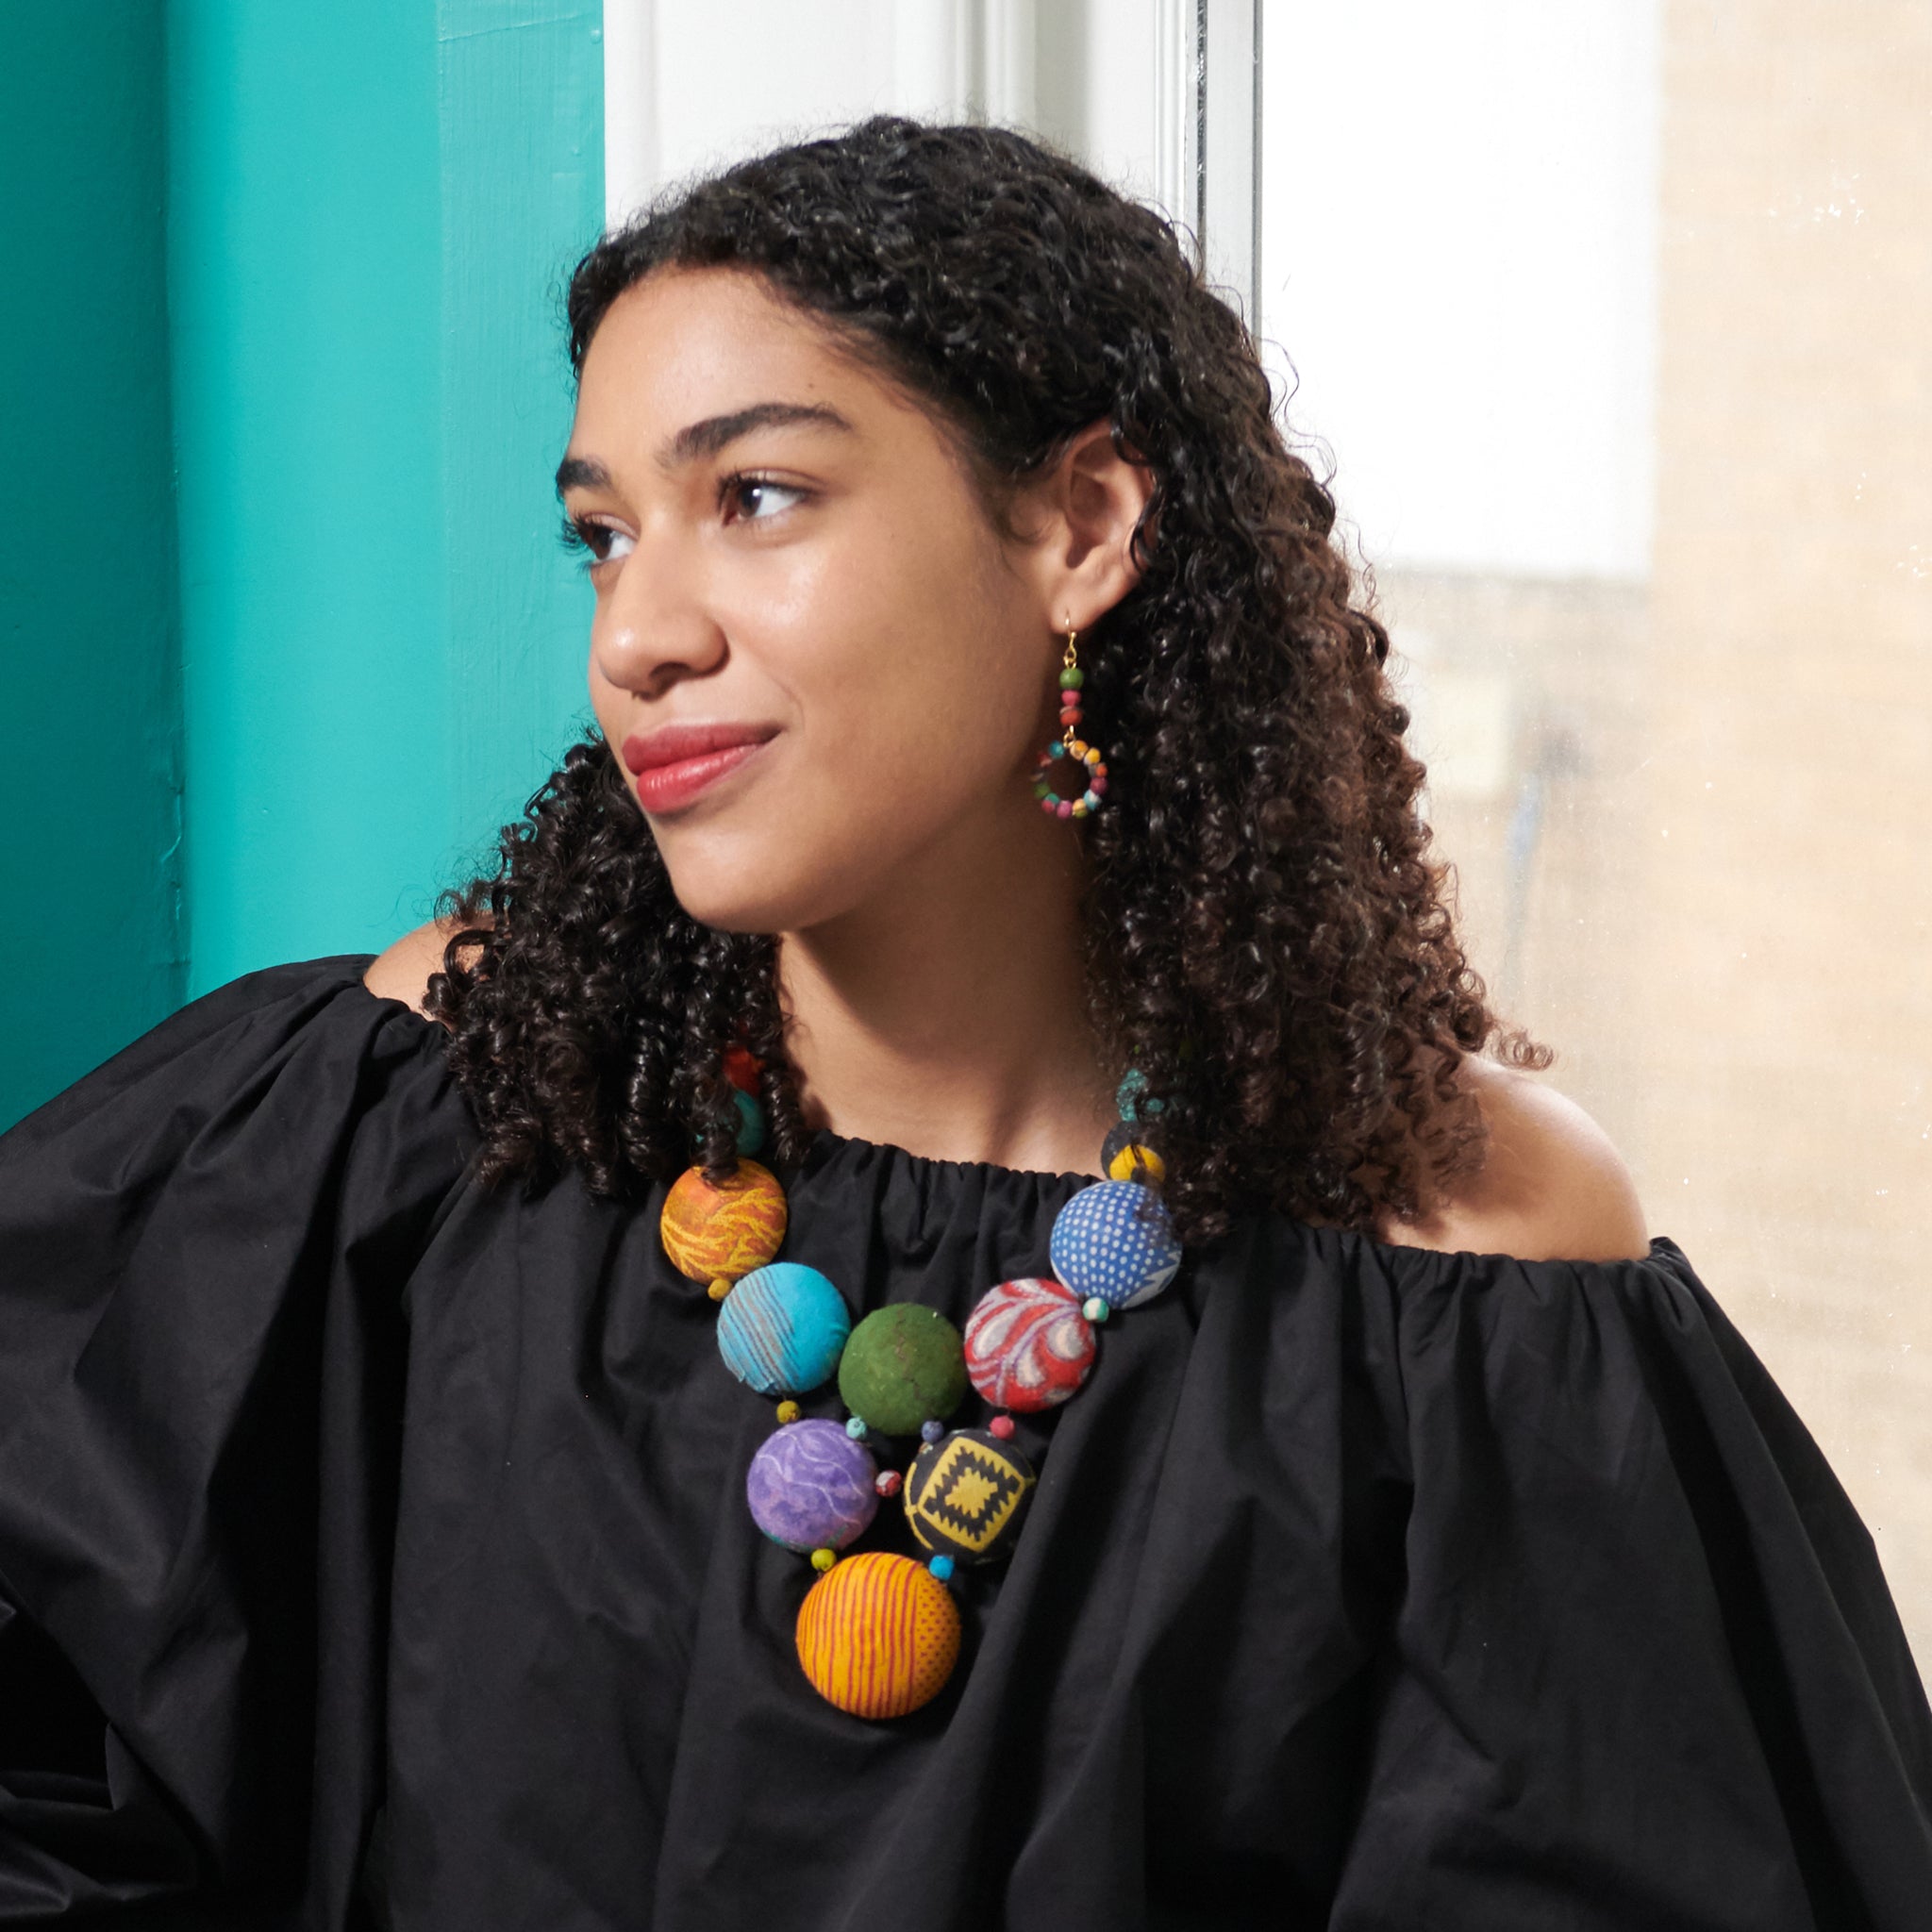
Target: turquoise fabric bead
(1113,1241)
(751,1123)
(1129,1097)
(783,1329)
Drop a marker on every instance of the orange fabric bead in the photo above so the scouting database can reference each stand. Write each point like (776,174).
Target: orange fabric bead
(724,1231)
(878,1635)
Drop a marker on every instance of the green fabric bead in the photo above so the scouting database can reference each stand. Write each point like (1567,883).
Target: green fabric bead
(903,1366)
(1073,680)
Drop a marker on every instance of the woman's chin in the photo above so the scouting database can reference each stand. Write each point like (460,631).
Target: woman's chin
(736,899)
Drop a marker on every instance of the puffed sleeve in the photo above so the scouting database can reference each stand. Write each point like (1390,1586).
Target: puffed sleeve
(202,1248)
(1646,1670)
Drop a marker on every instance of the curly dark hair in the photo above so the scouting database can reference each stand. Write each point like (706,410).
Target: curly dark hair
(1267,939)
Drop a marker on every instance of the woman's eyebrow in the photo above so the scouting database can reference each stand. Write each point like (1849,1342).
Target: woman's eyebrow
(706,439)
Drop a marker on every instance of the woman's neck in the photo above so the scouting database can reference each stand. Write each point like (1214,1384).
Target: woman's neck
(946,1016)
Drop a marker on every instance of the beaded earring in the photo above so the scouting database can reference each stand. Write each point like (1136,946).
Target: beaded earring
(1067,746)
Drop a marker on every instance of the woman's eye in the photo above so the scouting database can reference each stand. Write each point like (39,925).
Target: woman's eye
(757,498)
(601,543)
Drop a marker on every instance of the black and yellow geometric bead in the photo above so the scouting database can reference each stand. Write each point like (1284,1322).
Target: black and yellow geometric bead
(967,1493)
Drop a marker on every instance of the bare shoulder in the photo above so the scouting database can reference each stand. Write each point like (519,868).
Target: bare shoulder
(402,972)
(1552,1188)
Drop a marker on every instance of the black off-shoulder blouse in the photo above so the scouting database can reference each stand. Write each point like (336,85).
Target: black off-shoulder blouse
(374,1552)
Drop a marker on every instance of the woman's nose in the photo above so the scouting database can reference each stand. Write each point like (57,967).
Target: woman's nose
(652,627)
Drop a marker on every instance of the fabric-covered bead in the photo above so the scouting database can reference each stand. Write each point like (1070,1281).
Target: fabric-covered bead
(1113,1240)
(751,1123)
(811,1486)
(1137,1161)
(878,1635)
(1096,1309)
(783,1329)
(967,1495)
(903,1366)
(740,1069)
(725,1231)
(1131,1099)
(1026,1347)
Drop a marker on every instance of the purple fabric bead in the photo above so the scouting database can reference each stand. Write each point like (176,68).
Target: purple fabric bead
(810,1486)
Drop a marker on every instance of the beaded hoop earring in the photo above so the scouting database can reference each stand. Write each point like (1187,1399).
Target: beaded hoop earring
(1067,746)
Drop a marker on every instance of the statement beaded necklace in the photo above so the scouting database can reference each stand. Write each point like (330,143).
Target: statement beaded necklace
(878,1633)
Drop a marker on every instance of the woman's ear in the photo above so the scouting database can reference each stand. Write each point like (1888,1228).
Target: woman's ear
(1081,516)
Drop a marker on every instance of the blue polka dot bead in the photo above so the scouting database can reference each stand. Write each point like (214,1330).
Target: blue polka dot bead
(1113,1241)
(783,1329)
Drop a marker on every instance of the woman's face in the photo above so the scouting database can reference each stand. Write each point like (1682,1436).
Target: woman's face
(787,554)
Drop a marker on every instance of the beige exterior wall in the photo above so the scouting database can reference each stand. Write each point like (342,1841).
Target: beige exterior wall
(1726,924)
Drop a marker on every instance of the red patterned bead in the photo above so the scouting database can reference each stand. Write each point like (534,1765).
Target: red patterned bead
(741,1070)
(1027,1346)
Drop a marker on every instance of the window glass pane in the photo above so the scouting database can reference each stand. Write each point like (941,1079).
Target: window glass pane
(1617,317)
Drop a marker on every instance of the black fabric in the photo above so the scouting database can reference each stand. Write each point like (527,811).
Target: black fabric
(374,1551)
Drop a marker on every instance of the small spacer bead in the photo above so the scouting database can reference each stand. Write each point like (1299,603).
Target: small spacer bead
(887,1482)
(789,1411)
(823,1560)
(1002,1426)
(855,1428)
(1096,1309)
(719,1289)
(931,1431)
(942,1567)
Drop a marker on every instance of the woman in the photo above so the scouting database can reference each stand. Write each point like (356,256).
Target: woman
(1430,1552)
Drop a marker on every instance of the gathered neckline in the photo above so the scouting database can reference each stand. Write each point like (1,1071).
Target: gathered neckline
(830,1144)
(847,1149)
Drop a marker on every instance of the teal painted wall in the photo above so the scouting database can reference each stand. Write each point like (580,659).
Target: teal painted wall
(370,210)
(89,712)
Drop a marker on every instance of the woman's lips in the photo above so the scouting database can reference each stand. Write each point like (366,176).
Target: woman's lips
(672,765)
